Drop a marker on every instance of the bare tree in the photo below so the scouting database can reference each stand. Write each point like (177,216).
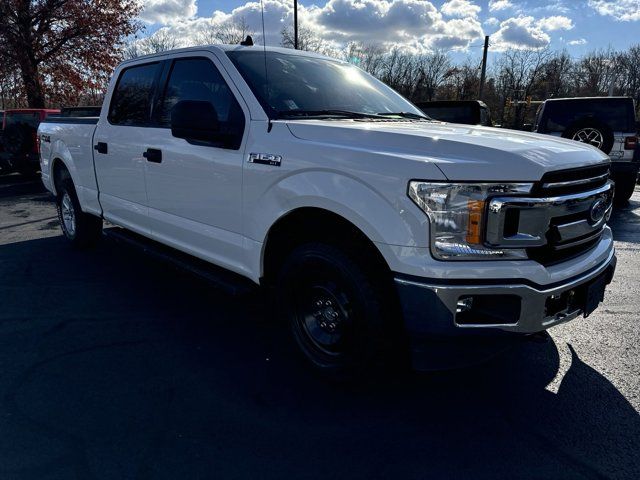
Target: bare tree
(230,32)
(307,40)
(518,72)
(161,41)
(596,72)
(434,68)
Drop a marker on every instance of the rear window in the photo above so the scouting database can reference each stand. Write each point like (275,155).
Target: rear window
(132,97)
(618,114)
(31,119)
(453,114)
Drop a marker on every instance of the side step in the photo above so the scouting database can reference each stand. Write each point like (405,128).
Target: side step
(225,280)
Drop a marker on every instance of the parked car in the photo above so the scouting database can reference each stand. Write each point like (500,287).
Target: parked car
(19,139)
(607,123)
(468,112)
(372,227)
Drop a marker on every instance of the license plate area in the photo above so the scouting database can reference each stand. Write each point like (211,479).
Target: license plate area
(585,298)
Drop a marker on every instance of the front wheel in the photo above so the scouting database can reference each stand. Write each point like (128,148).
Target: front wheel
(335,309)
(81,229)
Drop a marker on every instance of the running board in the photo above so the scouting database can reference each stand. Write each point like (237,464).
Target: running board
(223,279)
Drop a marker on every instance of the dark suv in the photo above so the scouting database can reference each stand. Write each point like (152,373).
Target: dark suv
(468,112)
(607,123)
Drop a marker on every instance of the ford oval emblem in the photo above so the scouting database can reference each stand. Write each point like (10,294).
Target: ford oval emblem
(598,210)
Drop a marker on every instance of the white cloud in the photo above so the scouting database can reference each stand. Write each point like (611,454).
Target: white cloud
(579,41)
(416,25)
(168,11)
(495,5)
(492,22)
(520,32)
(621,10)
(461,8)
(556,22)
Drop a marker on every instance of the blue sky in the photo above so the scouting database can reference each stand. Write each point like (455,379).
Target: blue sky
(421,25)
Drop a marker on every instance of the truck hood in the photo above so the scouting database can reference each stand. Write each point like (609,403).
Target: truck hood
(461,152)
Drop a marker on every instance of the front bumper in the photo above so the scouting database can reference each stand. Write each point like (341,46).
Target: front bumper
(430,308)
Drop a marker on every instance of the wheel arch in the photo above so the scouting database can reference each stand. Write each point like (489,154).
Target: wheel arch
(59,172)
(309,223)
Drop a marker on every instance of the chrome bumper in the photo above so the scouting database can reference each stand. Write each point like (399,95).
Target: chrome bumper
(432,308)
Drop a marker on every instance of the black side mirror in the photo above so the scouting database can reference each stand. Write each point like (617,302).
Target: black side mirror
(195,120)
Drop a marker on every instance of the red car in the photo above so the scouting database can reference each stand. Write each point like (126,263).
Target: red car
(20,148)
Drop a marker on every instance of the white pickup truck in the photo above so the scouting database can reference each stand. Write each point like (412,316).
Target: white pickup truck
(373,225)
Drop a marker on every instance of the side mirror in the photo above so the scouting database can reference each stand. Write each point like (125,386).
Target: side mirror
(195,120)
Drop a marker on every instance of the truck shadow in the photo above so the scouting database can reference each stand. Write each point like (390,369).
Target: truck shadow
(114,366)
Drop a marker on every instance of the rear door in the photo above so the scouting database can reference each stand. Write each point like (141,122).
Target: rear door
(195,188)
(118,141)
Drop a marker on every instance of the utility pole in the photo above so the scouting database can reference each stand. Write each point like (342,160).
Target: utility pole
(295,24)
(483,72)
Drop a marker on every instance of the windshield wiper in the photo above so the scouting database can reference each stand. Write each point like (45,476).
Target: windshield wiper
(326,113)
(414,116)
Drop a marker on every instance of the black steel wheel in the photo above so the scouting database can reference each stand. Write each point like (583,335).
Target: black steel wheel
(335,310)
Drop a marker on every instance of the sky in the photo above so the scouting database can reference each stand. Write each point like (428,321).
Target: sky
(456,26)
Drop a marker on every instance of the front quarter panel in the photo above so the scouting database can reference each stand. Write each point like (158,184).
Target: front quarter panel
(365,187)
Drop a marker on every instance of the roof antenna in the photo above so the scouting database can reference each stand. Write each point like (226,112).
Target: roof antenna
(266,76)
(247,42)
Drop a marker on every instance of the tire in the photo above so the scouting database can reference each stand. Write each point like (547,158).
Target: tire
(335,310)
(81,229)
(624,190)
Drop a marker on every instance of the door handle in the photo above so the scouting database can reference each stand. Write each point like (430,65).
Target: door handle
(101,147)
(153,155)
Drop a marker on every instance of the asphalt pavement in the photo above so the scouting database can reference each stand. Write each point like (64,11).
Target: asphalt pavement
(116,366)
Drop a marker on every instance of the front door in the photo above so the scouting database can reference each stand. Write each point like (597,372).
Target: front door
(195,188)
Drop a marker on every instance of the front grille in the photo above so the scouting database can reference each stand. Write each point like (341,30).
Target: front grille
(563,217)
(575,180)
(548,255)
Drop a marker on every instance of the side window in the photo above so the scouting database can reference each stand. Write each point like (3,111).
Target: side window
(131,100)
(198,79)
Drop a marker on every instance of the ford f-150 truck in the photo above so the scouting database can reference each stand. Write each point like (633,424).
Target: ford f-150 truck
(371,225)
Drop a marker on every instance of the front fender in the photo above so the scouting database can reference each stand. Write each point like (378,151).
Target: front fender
(382,218)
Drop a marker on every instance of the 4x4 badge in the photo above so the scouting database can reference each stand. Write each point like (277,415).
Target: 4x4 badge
(265,159)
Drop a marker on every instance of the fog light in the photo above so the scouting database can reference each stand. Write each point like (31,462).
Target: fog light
(464,304)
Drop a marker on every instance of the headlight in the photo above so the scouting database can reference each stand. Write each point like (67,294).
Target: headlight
(457,213)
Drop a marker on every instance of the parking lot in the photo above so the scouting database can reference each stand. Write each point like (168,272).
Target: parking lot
(113,365)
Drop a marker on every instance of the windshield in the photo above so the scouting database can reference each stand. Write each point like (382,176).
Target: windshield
(318,86)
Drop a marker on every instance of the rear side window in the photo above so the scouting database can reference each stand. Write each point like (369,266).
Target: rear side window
(133,95)
(199,79)
(617,114)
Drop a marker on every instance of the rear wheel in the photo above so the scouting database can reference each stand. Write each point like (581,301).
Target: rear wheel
(81,229)
(335,310)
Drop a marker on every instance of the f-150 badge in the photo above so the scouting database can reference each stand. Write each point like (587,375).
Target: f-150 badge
(265,159)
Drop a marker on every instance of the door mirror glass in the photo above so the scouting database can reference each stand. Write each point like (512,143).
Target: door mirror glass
(195,120)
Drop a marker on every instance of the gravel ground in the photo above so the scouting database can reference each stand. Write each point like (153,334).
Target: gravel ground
(115,366)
